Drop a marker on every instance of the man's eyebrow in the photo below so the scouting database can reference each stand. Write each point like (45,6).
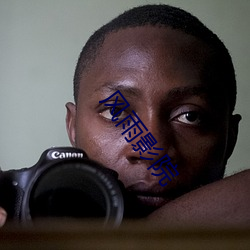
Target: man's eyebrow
(184,92)
(114,86)
(174,94)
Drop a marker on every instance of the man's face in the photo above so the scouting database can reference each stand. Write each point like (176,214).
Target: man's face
(160,73)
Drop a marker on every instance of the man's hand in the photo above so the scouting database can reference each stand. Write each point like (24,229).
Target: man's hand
(3,216)
(222,203)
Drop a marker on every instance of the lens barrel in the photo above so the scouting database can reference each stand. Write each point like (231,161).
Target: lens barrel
(76,189)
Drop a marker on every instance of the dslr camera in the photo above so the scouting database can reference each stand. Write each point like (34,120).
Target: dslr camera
(63,183)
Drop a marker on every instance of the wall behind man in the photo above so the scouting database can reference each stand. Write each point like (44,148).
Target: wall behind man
(40,42)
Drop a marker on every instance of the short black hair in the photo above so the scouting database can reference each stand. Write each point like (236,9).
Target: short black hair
(161,16)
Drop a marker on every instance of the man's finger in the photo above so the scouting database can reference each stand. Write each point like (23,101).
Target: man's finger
(3,216)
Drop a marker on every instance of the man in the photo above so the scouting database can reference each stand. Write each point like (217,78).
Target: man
(179,80)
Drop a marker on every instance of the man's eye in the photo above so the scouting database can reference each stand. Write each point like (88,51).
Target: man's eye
(192,118)
(107,113)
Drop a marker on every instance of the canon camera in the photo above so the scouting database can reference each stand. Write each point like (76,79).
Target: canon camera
(63,183)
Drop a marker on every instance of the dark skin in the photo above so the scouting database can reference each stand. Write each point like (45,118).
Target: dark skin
(160,72)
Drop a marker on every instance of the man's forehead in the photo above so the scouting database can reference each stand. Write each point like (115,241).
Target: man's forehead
(137,49)
(150,37)
(138,45)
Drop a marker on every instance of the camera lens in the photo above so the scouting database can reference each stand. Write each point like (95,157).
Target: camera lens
(77,189)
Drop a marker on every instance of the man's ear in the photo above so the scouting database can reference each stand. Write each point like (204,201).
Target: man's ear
(70,122)
(233,134)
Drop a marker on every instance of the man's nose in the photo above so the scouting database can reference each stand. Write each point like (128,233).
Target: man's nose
(150,145)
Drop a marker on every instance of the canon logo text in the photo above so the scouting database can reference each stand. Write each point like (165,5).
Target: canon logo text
(63,155)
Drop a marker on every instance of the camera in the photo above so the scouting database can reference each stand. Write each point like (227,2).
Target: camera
(63,183)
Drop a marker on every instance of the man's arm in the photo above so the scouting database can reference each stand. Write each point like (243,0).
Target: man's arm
(222,203)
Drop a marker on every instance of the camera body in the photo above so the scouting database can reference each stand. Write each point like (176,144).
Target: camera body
(63,183)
